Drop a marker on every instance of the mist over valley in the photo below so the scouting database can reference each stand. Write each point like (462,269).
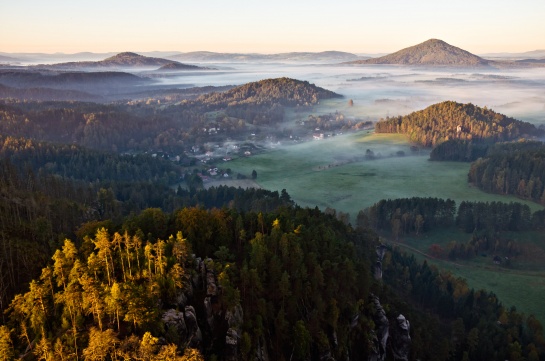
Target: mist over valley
(228,206)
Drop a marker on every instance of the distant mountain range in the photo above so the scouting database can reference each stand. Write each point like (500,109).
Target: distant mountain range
(8,59)
(534,54)
(123,60)
(324,56)
(195,56)
(432,52)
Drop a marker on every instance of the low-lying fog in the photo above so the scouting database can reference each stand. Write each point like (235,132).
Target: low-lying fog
(380,91)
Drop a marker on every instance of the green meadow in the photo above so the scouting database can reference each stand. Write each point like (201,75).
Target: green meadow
(335,173)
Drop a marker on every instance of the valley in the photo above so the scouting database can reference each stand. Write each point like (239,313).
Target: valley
(211,208)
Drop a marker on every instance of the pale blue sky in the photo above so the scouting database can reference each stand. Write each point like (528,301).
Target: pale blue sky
(359,26)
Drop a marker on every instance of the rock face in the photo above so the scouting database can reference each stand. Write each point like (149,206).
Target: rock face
(381,333)
(401,339)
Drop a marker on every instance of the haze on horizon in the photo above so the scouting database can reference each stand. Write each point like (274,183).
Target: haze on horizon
(485,26)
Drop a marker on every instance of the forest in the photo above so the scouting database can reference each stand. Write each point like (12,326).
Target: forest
(91,273)
(451,120)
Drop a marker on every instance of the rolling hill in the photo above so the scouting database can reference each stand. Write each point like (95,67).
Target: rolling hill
(284,91)
(451,120)
(432,52)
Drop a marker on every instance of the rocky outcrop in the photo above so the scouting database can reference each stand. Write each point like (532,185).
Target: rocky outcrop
(396,335)
(234,319)
(401,339)
(380,339)
(193,330)
(377,269)
(175,322)
(231,345)
(204,322)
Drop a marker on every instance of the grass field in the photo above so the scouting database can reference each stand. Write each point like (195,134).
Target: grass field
(334,173)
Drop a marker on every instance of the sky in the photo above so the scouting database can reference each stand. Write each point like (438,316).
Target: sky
(357,26)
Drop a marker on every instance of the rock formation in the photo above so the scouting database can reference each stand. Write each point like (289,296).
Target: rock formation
(401,339)
(377,269)
(381,333)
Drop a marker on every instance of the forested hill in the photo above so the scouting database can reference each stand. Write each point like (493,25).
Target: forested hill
(283,91)
(451,120)
(433,52)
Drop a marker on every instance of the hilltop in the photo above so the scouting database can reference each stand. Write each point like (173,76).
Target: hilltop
(126,59)
(451,120)
(432,52)
(284,91)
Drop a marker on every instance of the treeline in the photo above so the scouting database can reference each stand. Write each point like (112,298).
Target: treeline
(76,162)
(520,172)
(333,122)
(493,217)
(415,215)
(450,120)
(468,151)
(407,215)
